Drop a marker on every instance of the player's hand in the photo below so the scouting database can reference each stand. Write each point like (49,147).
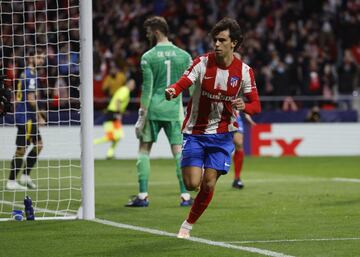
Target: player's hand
(238,104)
(140,123)
(41,116)
(41,121)
(170,93)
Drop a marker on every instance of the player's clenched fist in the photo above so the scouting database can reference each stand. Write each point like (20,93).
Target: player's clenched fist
(170,93)
(238,104)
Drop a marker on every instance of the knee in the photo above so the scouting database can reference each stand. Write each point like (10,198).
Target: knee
(191,185)
(208,186)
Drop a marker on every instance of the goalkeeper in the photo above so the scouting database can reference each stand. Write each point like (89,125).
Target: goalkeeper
(112,125)
(28,117)
(161,66)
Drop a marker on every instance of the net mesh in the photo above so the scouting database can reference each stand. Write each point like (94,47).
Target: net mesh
(49,29)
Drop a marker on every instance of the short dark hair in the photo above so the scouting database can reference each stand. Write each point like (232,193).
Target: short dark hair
(233,26)
(157,23)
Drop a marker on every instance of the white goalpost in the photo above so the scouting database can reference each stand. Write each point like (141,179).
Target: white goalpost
(63,174)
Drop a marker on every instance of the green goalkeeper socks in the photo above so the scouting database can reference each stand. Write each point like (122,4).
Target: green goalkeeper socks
(143,171)
(179,174)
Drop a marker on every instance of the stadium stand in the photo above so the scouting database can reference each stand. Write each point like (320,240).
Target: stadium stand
(304,53)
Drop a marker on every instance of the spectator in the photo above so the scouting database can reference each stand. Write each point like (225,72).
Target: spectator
(114,80)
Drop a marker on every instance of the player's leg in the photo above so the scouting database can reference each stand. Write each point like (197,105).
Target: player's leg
(117,135)
(202,199)
(32,157)
(173,132)
(17,161)
(149,136)
(108,136)
(238,157)
(238,160)
(216,161)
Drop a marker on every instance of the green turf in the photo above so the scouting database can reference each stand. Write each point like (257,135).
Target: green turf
(283,199)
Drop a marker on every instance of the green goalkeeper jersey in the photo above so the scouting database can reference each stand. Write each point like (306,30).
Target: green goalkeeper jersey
(162,66)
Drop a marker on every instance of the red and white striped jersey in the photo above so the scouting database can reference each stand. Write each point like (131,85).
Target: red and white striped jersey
(209,110)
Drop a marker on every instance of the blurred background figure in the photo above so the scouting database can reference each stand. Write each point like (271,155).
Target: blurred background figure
(113,124)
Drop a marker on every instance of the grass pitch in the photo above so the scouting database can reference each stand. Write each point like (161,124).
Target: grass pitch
(291,206)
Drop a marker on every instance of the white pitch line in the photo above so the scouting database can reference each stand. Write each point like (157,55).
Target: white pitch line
(194,239)
(354,180)
(294,240)
(63,213)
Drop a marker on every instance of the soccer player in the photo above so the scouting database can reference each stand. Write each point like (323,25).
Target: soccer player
(161,66)
(27,117)
(219,78)
(113,125)
(238,156)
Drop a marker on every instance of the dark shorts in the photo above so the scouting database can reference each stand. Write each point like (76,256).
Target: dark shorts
(27,134)
(208,151)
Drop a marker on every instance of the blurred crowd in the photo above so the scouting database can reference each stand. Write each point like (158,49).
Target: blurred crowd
(51,28)
(297,48)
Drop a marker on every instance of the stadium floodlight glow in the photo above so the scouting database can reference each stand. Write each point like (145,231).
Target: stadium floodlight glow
(60,31)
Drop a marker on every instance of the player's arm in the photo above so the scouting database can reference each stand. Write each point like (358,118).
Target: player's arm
(185,81)
(249,119)
(252,104)
(146,93)
(31,99)
(123,97)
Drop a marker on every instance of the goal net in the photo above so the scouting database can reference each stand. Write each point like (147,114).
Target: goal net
(40,56)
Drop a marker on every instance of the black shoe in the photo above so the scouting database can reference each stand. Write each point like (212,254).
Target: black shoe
(186,203)
(137,202)
(237,184)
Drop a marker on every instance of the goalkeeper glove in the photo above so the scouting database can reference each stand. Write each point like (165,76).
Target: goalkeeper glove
(140,123)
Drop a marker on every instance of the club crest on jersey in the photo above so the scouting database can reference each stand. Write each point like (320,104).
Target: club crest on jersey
(234,81)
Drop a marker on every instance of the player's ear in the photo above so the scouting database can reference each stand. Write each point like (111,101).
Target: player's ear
(234,43)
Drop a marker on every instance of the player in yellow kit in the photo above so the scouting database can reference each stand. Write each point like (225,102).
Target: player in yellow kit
(113,125)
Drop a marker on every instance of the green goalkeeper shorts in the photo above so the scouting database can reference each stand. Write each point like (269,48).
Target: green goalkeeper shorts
(172,130)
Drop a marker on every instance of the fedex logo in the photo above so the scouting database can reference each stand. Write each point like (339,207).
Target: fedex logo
(288,147)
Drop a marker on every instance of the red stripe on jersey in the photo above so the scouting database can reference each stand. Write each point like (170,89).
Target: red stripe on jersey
(234,70)
(188,111)
(202,121)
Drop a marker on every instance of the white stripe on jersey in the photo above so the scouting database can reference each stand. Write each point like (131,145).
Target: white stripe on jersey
(194,109)
(198,71)
(214,117)
(221,79)
(246,80)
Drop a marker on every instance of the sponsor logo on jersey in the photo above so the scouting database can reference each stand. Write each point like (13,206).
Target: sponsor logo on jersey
(219,96)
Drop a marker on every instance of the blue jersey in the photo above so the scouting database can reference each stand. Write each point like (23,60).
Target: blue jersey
(27,84)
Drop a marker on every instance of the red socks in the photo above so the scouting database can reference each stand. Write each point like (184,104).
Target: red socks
(201,202)
(238,160)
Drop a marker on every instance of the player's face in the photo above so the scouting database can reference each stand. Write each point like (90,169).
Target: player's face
(39,60)
(223,45)
(150,36)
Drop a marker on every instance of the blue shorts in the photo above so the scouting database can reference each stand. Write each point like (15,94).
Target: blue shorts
(240,124)
(208,151)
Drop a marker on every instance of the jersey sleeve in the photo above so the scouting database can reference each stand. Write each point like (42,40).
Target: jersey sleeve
(148,81)
(189,77)
(252,105)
